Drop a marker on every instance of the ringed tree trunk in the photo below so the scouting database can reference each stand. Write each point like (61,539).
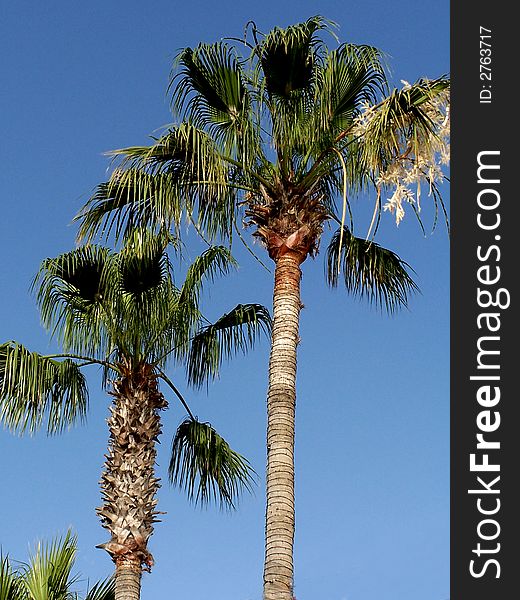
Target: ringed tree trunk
(281,403)
(289,223)
(128,482)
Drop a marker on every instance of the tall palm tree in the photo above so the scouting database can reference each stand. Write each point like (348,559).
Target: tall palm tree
(123,312)
(280,130)
(48,575)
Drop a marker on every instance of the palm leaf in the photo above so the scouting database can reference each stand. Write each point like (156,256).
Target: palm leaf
(401,125)
(9,584)
(146,297)
(102,590)
(203,464)
(233,332)
(155,185)
(287,56)
(352,76)
(33,386)
(210,91)
(74,293)
(216,260)
(48,575)
(210,85)
(369,270)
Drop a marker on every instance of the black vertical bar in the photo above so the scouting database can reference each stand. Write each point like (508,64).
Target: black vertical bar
(485,115)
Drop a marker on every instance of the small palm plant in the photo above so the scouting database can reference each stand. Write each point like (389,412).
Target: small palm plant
(48,575)
(122,311)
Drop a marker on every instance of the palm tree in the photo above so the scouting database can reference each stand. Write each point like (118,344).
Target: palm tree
(281,131)
(123,312)
(48,575)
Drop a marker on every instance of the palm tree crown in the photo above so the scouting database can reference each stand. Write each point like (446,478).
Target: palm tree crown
(277,138)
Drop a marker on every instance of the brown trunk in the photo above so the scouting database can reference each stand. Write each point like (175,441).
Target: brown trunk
(281,402)
(128,580)
(128,483)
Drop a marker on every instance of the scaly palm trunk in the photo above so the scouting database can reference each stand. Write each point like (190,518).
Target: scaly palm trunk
(128,483)
(281,402)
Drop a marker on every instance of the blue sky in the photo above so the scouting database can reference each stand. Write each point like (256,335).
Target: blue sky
(372,456)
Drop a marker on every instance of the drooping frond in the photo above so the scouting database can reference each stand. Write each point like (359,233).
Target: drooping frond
(404,141)
(233,332)
(403,125)
(369,271)
(204,465)
(216,260)
(48,575)
(181,173)
(74,291)
(137,199)
(33,387)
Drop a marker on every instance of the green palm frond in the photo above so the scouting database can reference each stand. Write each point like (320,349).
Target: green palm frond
(9,583)
(33,386)
(74,291)
(102,590)
(233,332)
(183,317)
(369,270)
(146,297)
(351,76)
(210,90)
(142,262)
(287,56)
(132,198)
(204,465)
(48,575)
(210,85)
(216,260)
(182,173)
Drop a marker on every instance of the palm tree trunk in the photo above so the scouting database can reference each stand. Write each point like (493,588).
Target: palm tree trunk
(281,402)
(128,580)
(128,483)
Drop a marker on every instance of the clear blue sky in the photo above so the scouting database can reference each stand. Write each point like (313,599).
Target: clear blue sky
(80,78)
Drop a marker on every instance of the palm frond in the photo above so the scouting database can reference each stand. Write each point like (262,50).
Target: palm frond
(74,291)
(352,76)
(182,173)
(287,56)
(204,465)
(33,387)
(143,262)
(133,199)
(402,124)
(146,297)
(369,271)
(102,590)
(49,571)
(216,260)
(9,583)
(233,332)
